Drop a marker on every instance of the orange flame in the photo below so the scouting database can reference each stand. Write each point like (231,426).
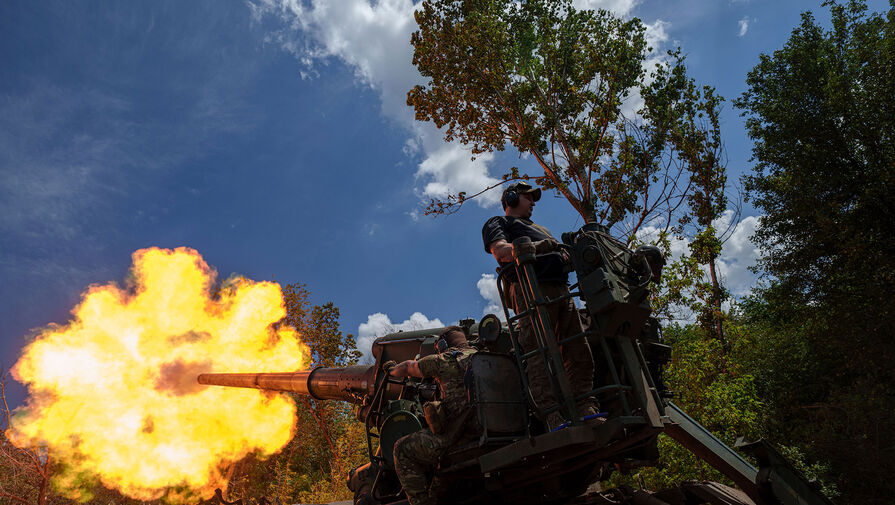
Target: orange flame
(114,396)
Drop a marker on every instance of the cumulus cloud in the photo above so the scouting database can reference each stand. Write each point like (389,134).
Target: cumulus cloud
(656,36)
(487,286)
(449,168)
(380,324)
(656,33)
(738,253)
(744,25)
(373,39)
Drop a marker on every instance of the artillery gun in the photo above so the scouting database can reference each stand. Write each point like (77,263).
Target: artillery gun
(516,459)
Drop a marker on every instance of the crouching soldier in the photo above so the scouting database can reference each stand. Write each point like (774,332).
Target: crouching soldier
(450,420)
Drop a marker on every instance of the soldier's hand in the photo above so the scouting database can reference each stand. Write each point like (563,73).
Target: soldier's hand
(388,366)
(545,246)
(566,257)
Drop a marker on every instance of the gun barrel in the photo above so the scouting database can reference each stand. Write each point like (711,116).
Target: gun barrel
(349,384)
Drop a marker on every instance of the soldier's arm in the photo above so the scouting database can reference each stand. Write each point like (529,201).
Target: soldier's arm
(502,250)
(409,368)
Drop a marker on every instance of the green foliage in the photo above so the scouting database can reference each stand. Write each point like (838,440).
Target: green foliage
(813,472)
(688,288)
(816,402)
(821,111)
(319,328)
(822,114)
(714,389)
(683,281)
(553,81)
(559,83)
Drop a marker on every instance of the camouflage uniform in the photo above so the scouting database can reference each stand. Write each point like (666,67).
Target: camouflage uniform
(417,454)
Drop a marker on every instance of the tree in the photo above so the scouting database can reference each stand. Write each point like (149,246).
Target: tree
(561,85)
(822,114)
(25,472)
(821,111)
(702,147)
(698,136)
(319,328)
(558,83)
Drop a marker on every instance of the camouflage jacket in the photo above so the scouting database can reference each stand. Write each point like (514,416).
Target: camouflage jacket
(448,368)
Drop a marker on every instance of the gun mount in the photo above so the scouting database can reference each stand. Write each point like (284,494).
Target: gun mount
(516,459)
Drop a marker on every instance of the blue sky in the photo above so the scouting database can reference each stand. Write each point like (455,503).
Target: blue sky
(272,137)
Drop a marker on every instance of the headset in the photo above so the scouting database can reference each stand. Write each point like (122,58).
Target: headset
(510,197)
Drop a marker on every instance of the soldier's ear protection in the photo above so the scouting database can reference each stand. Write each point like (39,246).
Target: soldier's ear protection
(510,197)
(442,345)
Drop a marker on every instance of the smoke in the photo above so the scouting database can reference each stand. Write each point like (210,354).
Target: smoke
(179,377)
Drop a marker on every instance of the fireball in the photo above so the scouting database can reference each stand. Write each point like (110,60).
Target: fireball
(113,393)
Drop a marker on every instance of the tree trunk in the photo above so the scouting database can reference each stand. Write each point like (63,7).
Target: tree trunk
(325,430)
(716,305)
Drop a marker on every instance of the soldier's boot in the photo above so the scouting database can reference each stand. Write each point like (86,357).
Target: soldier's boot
(554,421)
(589,409)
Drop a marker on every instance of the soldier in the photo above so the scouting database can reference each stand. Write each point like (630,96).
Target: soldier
(417,455)
(550,267)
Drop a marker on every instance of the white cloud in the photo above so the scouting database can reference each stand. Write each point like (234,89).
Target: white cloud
(411,147)
(656,36)
(679,245)
(656,33)
(744,25)
(737,254)
(448,168)
(374,40)
(487,285)
(380,324)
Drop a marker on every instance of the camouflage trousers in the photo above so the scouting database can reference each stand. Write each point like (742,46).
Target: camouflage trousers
(577,358)
(416,458)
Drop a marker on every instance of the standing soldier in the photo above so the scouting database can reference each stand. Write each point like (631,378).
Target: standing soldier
(449,420)
(550,268)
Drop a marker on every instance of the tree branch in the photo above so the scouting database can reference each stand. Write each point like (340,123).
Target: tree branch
(14,497)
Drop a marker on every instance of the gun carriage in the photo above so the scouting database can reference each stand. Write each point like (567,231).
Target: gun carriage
(516,459)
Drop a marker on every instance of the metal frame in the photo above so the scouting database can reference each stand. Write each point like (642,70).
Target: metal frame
(641,387)
(535,304)
(372,418)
